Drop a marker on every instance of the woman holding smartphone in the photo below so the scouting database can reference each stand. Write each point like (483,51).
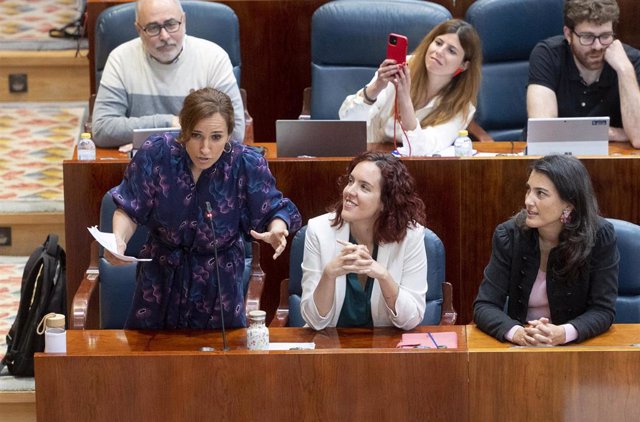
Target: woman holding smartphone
(425,102)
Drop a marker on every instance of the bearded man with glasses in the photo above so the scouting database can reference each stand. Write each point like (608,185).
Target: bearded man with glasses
(145,80)
(587,71)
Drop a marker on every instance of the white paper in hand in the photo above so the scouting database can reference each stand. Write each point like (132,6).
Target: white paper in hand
(108,241)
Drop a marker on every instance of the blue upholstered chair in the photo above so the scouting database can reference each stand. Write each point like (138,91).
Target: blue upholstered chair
(439,310)
(210,21)
(116,283)
(509,29)
(348,43)
(628,303)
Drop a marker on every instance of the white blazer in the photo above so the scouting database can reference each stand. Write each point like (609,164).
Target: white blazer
(406,261)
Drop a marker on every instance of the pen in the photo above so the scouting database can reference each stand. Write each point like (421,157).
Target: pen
(433,340)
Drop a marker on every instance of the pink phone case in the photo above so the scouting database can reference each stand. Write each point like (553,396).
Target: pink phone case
(397,48)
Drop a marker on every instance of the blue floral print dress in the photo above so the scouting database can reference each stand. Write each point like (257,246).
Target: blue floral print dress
(179,287)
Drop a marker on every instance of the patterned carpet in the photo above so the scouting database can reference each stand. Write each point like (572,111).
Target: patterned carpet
(25,24)
(10,280)
(34,140)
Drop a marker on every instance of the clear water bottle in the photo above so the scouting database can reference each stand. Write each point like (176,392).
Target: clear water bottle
(462,145)
(257,333)
(86,147)
(55,336)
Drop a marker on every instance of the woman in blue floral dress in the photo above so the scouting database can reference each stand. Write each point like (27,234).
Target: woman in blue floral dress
(166,188)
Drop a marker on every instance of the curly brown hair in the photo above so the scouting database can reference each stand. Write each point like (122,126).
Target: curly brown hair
(596,11)
(402,206)
(201,104)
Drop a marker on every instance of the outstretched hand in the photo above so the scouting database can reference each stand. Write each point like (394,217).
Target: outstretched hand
(276,236)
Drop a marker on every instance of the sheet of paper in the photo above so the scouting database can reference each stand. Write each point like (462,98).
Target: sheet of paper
(292,346)
(108,241)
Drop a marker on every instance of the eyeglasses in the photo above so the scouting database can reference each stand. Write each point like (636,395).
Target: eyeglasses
(588,39)
(154,29)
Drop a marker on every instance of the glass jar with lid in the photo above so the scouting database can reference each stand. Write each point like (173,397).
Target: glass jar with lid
(257,333)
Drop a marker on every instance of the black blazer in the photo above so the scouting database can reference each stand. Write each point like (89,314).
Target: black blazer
(588,304)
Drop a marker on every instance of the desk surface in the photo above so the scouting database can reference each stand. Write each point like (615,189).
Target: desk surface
(354,374)
(271,150)
(129,376)
(596,380)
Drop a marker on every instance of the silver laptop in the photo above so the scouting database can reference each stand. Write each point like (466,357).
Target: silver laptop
(141,135)
(568,135)
(321,138)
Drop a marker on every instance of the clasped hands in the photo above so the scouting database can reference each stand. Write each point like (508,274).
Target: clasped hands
(354,259)
(540,332)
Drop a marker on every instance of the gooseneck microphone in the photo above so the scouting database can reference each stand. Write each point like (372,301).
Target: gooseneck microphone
(209,217)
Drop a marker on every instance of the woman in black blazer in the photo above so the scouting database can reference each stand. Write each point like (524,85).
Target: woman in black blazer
(553,273)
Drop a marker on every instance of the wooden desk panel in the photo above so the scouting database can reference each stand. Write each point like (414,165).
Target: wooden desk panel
(593,381)
(127,376)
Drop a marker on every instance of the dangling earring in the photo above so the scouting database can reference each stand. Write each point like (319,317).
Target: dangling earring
(565,217)
(458,71)
(227,147)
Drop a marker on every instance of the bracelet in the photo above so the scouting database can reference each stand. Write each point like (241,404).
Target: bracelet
(368,100)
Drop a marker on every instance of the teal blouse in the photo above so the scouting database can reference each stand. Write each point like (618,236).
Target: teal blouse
(356,309)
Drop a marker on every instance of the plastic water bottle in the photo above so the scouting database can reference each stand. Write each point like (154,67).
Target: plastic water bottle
(86,147)
(462,145)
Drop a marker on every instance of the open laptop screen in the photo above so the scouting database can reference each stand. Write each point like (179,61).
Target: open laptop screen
(321,138)
(568,135)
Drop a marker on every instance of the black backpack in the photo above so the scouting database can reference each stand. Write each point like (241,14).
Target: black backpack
(43,291)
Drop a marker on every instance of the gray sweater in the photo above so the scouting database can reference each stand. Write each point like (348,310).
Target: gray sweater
(136,91)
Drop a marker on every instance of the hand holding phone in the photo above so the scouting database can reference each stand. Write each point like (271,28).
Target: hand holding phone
(397,48)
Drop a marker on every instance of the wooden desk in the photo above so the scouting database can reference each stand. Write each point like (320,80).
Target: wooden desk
(354,375)
(594,381)
(465,199)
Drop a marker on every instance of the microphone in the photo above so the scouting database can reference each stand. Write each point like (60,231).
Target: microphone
(209,217)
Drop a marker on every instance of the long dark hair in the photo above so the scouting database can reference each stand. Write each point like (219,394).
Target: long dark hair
(578,236)
(402,206)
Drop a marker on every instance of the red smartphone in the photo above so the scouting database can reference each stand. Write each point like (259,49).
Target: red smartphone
(397,48)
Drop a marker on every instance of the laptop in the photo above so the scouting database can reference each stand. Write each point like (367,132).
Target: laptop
(568,135)
(321,138)
(141,135)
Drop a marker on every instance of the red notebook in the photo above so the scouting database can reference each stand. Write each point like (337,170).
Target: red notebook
(440,340)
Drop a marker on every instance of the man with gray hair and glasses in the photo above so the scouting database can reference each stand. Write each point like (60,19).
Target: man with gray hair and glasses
(146,79)
(587,71)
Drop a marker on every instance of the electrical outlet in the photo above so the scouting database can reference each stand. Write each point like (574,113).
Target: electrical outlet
(18,82)
(5,236)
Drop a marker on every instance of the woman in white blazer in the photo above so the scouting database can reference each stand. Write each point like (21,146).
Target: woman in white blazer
(365,263)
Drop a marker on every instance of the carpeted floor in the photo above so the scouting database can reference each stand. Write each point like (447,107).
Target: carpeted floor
(25,24)
(34,140)
(10,280)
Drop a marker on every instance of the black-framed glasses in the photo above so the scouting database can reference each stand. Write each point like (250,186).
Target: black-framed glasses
(154,29)
(588,39)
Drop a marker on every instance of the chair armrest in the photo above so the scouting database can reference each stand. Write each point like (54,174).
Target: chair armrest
(87,123)
(84,294)
(282,313)
(256,281)
(478,133)
(305,113)
(248,120)
(449,314)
